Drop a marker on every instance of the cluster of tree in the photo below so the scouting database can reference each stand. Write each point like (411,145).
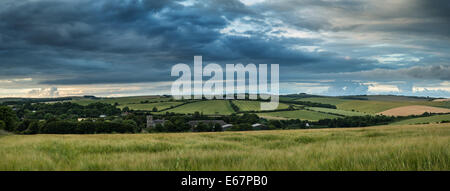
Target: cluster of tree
(40,110)
(8,119)
(22,101)
(243,122)
(179,123)
(289,124)
(195,116)
(249,118)
(174,123)
(207,127)
(73,127)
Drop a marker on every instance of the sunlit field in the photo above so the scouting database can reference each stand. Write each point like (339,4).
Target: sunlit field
(245,105)
(210,107)
(413,147)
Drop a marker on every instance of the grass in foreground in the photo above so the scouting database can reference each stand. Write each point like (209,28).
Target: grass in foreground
(417,147)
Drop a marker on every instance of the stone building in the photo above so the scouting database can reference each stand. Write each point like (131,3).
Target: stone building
(151,123)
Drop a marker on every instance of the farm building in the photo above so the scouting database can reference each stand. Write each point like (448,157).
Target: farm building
(227,126)
(257,126)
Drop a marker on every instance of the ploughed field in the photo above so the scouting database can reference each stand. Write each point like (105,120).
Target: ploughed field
(403,147)
(414,110)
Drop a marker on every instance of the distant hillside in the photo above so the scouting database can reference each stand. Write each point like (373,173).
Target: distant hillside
(387,98)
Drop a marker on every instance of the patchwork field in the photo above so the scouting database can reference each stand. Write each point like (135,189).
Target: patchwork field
(120,100)
(297,114)
(150,106)
(375,104)
(413,110)
(348,105)
(325,100)
(254,105)
(421,120)
(416,147)
(380,106)
(210,107)
(337,111)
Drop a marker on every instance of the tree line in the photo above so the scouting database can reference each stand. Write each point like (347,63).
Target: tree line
(54,120)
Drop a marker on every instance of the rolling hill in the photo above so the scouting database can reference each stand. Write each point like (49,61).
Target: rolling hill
(210,107)
(413,110)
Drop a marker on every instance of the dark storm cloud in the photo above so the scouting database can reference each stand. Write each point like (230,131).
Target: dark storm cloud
(85,42)
(439,72)
(110,41)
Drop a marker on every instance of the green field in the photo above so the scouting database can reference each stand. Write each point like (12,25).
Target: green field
(254,105)
(337,111)
(374,104)
(325,100)
(150,106)
(379,106)
(297,114)
(120,100)
(416,147)
(421,120)
(210,107)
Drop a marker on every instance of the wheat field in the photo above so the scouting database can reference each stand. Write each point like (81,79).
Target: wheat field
(405,147)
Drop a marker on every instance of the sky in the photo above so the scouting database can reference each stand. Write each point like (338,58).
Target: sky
(53,48)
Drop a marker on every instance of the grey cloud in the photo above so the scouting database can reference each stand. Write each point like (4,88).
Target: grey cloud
(347,88)
(44,92)
(112,41)
(437,72)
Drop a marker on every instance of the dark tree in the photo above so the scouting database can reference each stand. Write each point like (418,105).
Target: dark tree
(2,125)
(8,116)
